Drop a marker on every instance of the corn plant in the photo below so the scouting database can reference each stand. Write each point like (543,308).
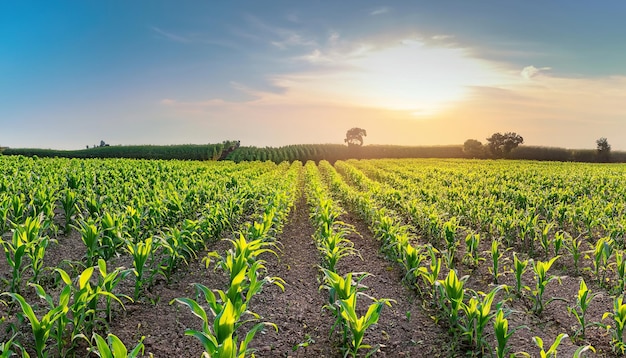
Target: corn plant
(602,252)
(62,322)
(69,203)
(544,238)
(502,333)
(107,281)
(453,294)
(341,288)
(358,325)
(4,214)
(497,261)
(449,234)
(430,276)
(583,300)
(559,240)
(472,255)
(618,316)
(42,328)
(519,267)
(91,236)
(179,247)
(18,208)
(334,247)
(142,252)
(620,265)
(15,252)
(113,347)
(574,246)
(540,269)
(10,348)
(551,352)
(411,259)
(112,235)
(218,337)
(478,313)
(29,233)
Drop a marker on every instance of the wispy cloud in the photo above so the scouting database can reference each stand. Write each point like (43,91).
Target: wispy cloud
(529,72)
(279,37)
(380,11)
(171,36)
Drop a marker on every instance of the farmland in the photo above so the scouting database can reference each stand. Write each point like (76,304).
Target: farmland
(411,257)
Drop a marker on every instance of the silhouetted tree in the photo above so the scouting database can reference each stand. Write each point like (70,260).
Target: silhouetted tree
(604,149)
(502,144)
(473,148)
(354,136)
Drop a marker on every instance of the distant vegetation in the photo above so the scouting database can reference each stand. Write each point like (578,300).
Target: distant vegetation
(181,152)
(231,150)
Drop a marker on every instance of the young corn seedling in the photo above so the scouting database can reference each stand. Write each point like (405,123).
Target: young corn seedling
(219,339)
(15,252)
(69,203)
(601,254)
(113,347)
(142,252)
(358,325)
(449,234)
(519,267)
(583,300)
(497,261)
(341,288)
(559,239)
(430,276)
(4,215)
(453,293)
(620,265)
(542,279)
(502,333)
(618,315)
(42,328)
(551,352)
(18,208)
(176,250)
(574,246)
(91,236)
(107,281)
(10,348)
(334,247)
(477,316)
(412,260)
(544,238)
(472,256)
(61,324)
(112,232)
(29,234)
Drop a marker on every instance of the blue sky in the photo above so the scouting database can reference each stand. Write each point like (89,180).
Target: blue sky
(282,72)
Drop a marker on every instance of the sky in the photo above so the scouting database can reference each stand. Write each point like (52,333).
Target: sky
(278,72)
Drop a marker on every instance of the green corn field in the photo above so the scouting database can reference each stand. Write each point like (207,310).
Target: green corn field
(384,257)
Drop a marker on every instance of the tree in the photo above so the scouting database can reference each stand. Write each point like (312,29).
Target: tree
(473,148)
(354,136)
(604,149)
(501,145)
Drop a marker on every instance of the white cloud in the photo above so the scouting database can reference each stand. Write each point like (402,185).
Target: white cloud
(379,11)
(529,72)
(333,37)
